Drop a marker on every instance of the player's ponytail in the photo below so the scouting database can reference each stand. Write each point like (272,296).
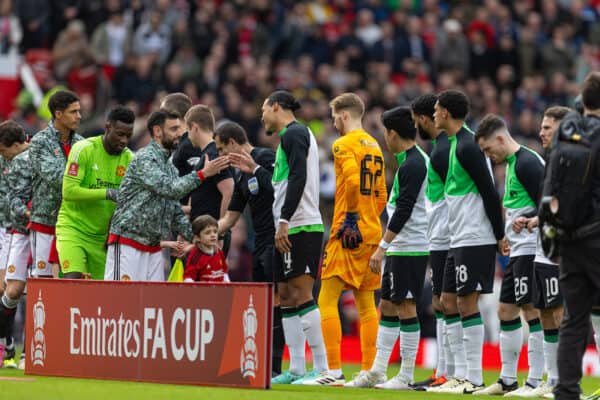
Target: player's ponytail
(285,99)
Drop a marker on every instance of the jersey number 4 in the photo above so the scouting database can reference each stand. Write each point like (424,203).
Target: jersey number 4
(371,169)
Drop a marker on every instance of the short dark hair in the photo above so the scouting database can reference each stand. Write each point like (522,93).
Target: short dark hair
(400,120)
(456,102)
(122,114)
(231,130)
(201,115)
(158,118)
(349,102)
(11,133)
(178,103)
(489,125)
(590,91)
(61,100)
(202,222)
(285,99)
(424,105)
(557,112)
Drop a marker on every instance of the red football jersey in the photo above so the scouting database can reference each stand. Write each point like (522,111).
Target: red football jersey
(203,267)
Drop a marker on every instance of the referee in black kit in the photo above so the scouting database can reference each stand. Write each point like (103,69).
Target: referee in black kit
(253,188)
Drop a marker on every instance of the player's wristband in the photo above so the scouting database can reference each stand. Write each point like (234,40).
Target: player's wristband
(384,245)
(201,175)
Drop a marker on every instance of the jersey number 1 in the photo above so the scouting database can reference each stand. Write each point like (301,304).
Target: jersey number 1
(368,178)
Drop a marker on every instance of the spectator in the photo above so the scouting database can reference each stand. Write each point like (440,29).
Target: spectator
(452,53)
(153,38)
(63,12)
(111,40)
(557,55)
(10,29)
(367,31)
(71,49)
(34,16)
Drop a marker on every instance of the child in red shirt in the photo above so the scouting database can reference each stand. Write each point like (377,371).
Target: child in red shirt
(206,262)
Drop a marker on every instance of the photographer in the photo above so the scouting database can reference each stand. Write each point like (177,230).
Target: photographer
(579,272)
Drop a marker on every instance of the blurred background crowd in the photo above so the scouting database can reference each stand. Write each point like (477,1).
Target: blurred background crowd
(513,58)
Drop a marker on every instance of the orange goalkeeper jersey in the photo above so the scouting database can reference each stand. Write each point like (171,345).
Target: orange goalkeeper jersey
(360,183)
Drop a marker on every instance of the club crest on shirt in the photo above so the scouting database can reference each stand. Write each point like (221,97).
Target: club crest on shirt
(120,171)
(125,278)
(56,151)
(66,264)
(73,169)
(11,269)
(41,265)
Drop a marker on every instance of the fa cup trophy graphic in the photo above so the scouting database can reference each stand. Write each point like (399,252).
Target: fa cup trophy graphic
(38,341)
(248,357)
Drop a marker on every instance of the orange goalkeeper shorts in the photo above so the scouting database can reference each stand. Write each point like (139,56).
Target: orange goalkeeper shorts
(351,266)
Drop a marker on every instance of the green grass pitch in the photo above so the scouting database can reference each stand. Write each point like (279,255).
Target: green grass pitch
(47,388)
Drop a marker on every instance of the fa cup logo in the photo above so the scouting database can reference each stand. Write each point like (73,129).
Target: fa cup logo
(38,342)
(248,357)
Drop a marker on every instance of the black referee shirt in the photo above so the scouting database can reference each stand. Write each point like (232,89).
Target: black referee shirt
(256,190)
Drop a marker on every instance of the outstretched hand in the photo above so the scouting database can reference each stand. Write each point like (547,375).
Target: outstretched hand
(243,161)
(213,167)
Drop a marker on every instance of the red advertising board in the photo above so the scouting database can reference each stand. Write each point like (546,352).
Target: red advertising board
(204,334)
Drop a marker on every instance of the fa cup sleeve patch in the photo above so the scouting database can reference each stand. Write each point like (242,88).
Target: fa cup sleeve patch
(73,169)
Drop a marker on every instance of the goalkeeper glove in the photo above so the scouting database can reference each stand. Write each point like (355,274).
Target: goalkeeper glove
(349,232)
(111,194)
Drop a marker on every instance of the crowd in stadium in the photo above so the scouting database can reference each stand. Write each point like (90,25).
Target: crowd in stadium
(188,100)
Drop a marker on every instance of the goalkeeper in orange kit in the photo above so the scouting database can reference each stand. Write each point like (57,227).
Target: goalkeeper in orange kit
(360,198)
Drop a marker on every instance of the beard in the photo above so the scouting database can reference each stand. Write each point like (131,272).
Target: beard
(422,133)
(170,144)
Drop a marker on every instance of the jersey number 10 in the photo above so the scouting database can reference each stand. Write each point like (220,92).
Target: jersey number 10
(371,169)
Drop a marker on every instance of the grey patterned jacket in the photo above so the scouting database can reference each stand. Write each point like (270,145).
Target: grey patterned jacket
(19,179)
(48,162)
(148,210)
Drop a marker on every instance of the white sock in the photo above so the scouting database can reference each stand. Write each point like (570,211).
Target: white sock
(535,353)
(596,326)
(511,341)
(311,325)
(410,333)
(456,345)
(447,353)
(294,338)
(389,330)
(440,369)
(337,373)
(473,332)
(550,352)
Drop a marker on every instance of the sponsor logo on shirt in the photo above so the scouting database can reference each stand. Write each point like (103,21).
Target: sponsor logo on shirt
(73,169)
